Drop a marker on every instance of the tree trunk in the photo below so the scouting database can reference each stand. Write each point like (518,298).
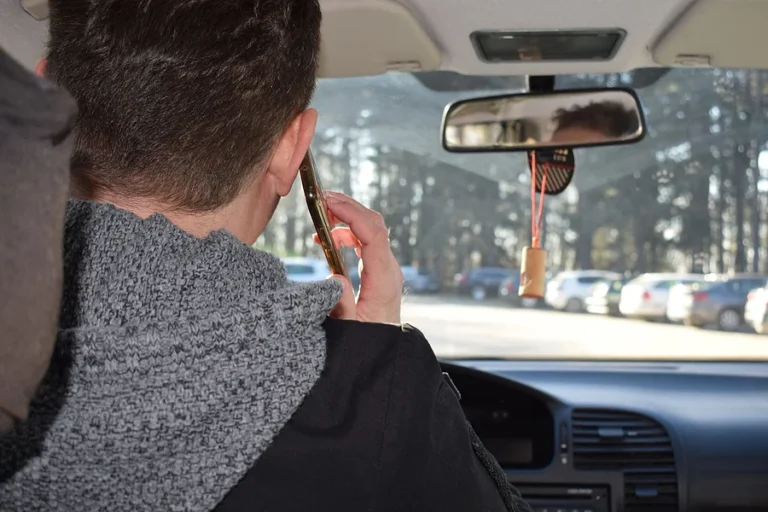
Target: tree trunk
(739,192)
(641,251)
(346,167)
(755,210)
(719,238)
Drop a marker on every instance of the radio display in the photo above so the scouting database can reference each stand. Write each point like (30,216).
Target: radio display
(510,452)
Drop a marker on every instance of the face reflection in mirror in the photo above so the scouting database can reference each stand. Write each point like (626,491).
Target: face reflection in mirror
(594,123)
(537,121)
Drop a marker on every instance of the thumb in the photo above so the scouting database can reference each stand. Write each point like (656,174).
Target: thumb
(346,308)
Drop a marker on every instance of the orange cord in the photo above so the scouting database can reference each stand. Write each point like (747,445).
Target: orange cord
(533,198)
(537,217)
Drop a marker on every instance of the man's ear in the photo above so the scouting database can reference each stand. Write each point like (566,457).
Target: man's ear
(291,149)
(40,68)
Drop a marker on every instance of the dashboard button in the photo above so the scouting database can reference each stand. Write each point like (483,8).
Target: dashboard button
(563,437)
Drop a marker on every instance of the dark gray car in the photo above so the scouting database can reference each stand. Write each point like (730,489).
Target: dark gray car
(481,283)
(719,303)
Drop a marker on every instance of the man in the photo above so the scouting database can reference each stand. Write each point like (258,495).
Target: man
(188,374)
(36,122)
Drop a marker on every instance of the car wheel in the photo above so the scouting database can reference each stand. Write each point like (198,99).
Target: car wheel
(478,293)
(574,305)
(729,320)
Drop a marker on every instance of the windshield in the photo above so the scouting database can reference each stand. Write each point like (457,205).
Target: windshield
(690,199)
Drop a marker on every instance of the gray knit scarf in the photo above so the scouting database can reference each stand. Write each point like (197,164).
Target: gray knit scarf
(178,361)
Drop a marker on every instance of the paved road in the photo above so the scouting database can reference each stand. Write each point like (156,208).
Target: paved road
(458,328)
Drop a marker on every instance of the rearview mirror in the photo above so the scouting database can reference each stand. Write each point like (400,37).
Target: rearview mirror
(559,119)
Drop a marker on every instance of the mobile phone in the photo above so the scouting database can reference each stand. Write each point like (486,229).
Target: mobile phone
(318,210)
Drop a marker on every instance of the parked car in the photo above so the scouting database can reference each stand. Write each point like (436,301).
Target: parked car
(756,309)
(481,283)
(647,296)
(604,297)
(509,288)
(304,270)
(679,294)
(420,281)
(568,291)
(509,291)
(720,302)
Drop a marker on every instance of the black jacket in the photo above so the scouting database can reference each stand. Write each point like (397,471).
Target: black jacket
(383,430)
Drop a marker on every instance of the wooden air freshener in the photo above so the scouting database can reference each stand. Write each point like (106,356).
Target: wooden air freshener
(533,266)
(533,272)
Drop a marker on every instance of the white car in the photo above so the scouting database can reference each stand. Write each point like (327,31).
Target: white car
(682,294)
(305,270)
(647,296)
(568,291)
(756,310)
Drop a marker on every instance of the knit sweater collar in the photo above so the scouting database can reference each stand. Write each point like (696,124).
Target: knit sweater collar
(178,361)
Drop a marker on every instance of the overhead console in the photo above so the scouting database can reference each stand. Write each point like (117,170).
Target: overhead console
(557,46)
(700,38)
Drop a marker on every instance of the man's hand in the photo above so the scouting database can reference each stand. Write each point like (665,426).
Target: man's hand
(381,280)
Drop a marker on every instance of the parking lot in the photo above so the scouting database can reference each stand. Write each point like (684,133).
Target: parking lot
(463,328)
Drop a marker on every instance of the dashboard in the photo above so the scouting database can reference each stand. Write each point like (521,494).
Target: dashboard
(623,437)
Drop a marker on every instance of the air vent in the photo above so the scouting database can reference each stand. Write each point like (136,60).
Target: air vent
(607,440)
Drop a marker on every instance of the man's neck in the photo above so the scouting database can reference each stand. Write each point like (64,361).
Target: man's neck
(240,217)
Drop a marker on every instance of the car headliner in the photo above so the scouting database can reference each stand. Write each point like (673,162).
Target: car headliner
(450,22)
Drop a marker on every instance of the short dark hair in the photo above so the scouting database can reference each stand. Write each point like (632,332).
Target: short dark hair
(608,117)
(181,101)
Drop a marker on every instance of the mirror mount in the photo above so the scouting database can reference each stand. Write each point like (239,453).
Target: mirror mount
(541,84)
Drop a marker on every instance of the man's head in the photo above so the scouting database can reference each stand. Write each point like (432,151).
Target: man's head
(186,103)
(596,122)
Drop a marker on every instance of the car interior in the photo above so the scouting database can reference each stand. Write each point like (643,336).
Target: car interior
(591,434)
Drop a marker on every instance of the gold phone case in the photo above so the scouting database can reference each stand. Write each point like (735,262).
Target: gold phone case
(313,192)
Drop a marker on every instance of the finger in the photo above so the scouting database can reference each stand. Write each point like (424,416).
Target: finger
(369,228)
(367,225)
(342,237)
(332,220)
(379,299)
(346,308)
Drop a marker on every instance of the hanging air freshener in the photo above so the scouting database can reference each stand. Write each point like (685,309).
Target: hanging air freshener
(534,260)
(560,165)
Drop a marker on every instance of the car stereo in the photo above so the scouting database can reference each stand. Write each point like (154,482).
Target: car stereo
(565,498)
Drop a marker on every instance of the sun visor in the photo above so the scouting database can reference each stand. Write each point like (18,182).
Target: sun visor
(38,9)
(717,33)
(371,37)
